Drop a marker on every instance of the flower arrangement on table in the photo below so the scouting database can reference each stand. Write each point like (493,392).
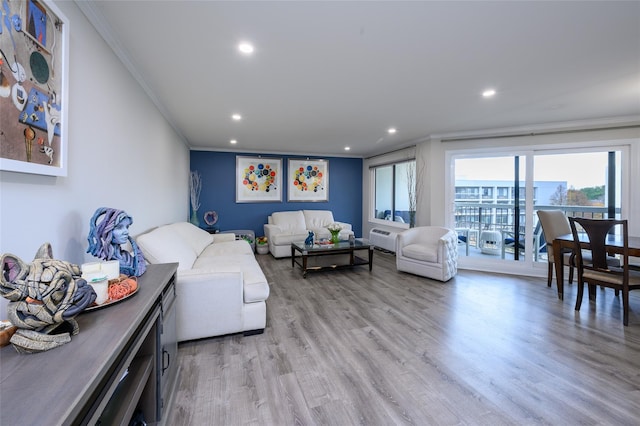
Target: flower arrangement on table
(335,229)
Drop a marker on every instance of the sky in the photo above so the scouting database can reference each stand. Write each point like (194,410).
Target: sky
(578,170)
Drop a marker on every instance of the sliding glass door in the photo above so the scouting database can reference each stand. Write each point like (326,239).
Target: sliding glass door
(582,184)
(496,197)
(489,206)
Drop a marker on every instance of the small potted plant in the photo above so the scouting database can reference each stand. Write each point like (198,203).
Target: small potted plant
(261,245)
(335,229)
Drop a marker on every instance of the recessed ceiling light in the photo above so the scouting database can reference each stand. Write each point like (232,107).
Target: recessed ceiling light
(236,117)
(245,48)
(347,148)
(391,130)
(488,93)
(233,141)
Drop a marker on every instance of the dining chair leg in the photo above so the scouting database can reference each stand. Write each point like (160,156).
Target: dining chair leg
(579,297)
(571,268)
(592,291)
(550,274)
(625,307)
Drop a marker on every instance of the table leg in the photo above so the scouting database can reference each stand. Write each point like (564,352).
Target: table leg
(557,249)
(370,258)
(293,255)
(304,265)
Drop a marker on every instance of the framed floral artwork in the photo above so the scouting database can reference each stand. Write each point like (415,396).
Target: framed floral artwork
(34,88)
(308,180)
(258,179)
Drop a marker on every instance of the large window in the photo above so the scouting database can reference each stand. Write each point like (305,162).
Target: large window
(584,182)
(395,192)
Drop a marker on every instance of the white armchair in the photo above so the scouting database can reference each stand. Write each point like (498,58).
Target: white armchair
(428,251)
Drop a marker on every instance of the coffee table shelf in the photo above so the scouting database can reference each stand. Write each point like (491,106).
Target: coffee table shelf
(319,257)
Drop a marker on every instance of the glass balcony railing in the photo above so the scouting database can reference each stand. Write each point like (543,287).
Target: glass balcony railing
(480,225)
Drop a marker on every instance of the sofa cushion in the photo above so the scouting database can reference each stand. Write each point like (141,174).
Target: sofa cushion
(195,237)
(227,248)
(289,221)
(426,253)
(223,237)
(317,219)
(164,245)
(255,288)
(288,238)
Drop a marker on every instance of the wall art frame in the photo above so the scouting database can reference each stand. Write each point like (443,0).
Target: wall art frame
(34,91)
(258,179)
(308,180)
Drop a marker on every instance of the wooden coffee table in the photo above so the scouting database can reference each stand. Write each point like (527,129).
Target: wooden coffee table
(321,256)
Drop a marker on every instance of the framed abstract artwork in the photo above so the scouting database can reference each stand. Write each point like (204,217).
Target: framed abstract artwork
(308,180)
(34,88)
(258,179)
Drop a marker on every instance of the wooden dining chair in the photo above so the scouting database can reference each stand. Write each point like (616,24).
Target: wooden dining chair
(598,271)
(555,223)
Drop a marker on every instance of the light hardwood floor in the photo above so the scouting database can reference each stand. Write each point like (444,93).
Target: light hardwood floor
(384,348)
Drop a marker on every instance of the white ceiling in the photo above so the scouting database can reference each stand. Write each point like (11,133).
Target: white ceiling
(331,74)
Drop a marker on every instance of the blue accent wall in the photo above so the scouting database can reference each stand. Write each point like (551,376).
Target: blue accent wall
(218,170)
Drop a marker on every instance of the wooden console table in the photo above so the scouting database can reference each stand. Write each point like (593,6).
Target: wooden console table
(123,360)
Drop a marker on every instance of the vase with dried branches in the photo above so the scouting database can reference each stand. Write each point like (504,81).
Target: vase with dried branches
(195,186)
(411,190)
(414,181)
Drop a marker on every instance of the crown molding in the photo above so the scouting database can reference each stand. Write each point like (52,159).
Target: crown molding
(95,17)
(544,128)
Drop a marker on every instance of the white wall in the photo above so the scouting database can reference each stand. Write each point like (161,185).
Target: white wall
(122,154)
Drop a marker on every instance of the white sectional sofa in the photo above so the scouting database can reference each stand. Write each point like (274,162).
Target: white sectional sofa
(283,228)
(220,286)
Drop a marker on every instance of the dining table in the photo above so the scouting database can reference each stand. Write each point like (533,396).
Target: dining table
(614,245)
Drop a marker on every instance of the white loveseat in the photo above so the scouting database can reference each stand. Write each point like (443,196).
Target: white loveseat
(428,251)
(220,286)
(284,228)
